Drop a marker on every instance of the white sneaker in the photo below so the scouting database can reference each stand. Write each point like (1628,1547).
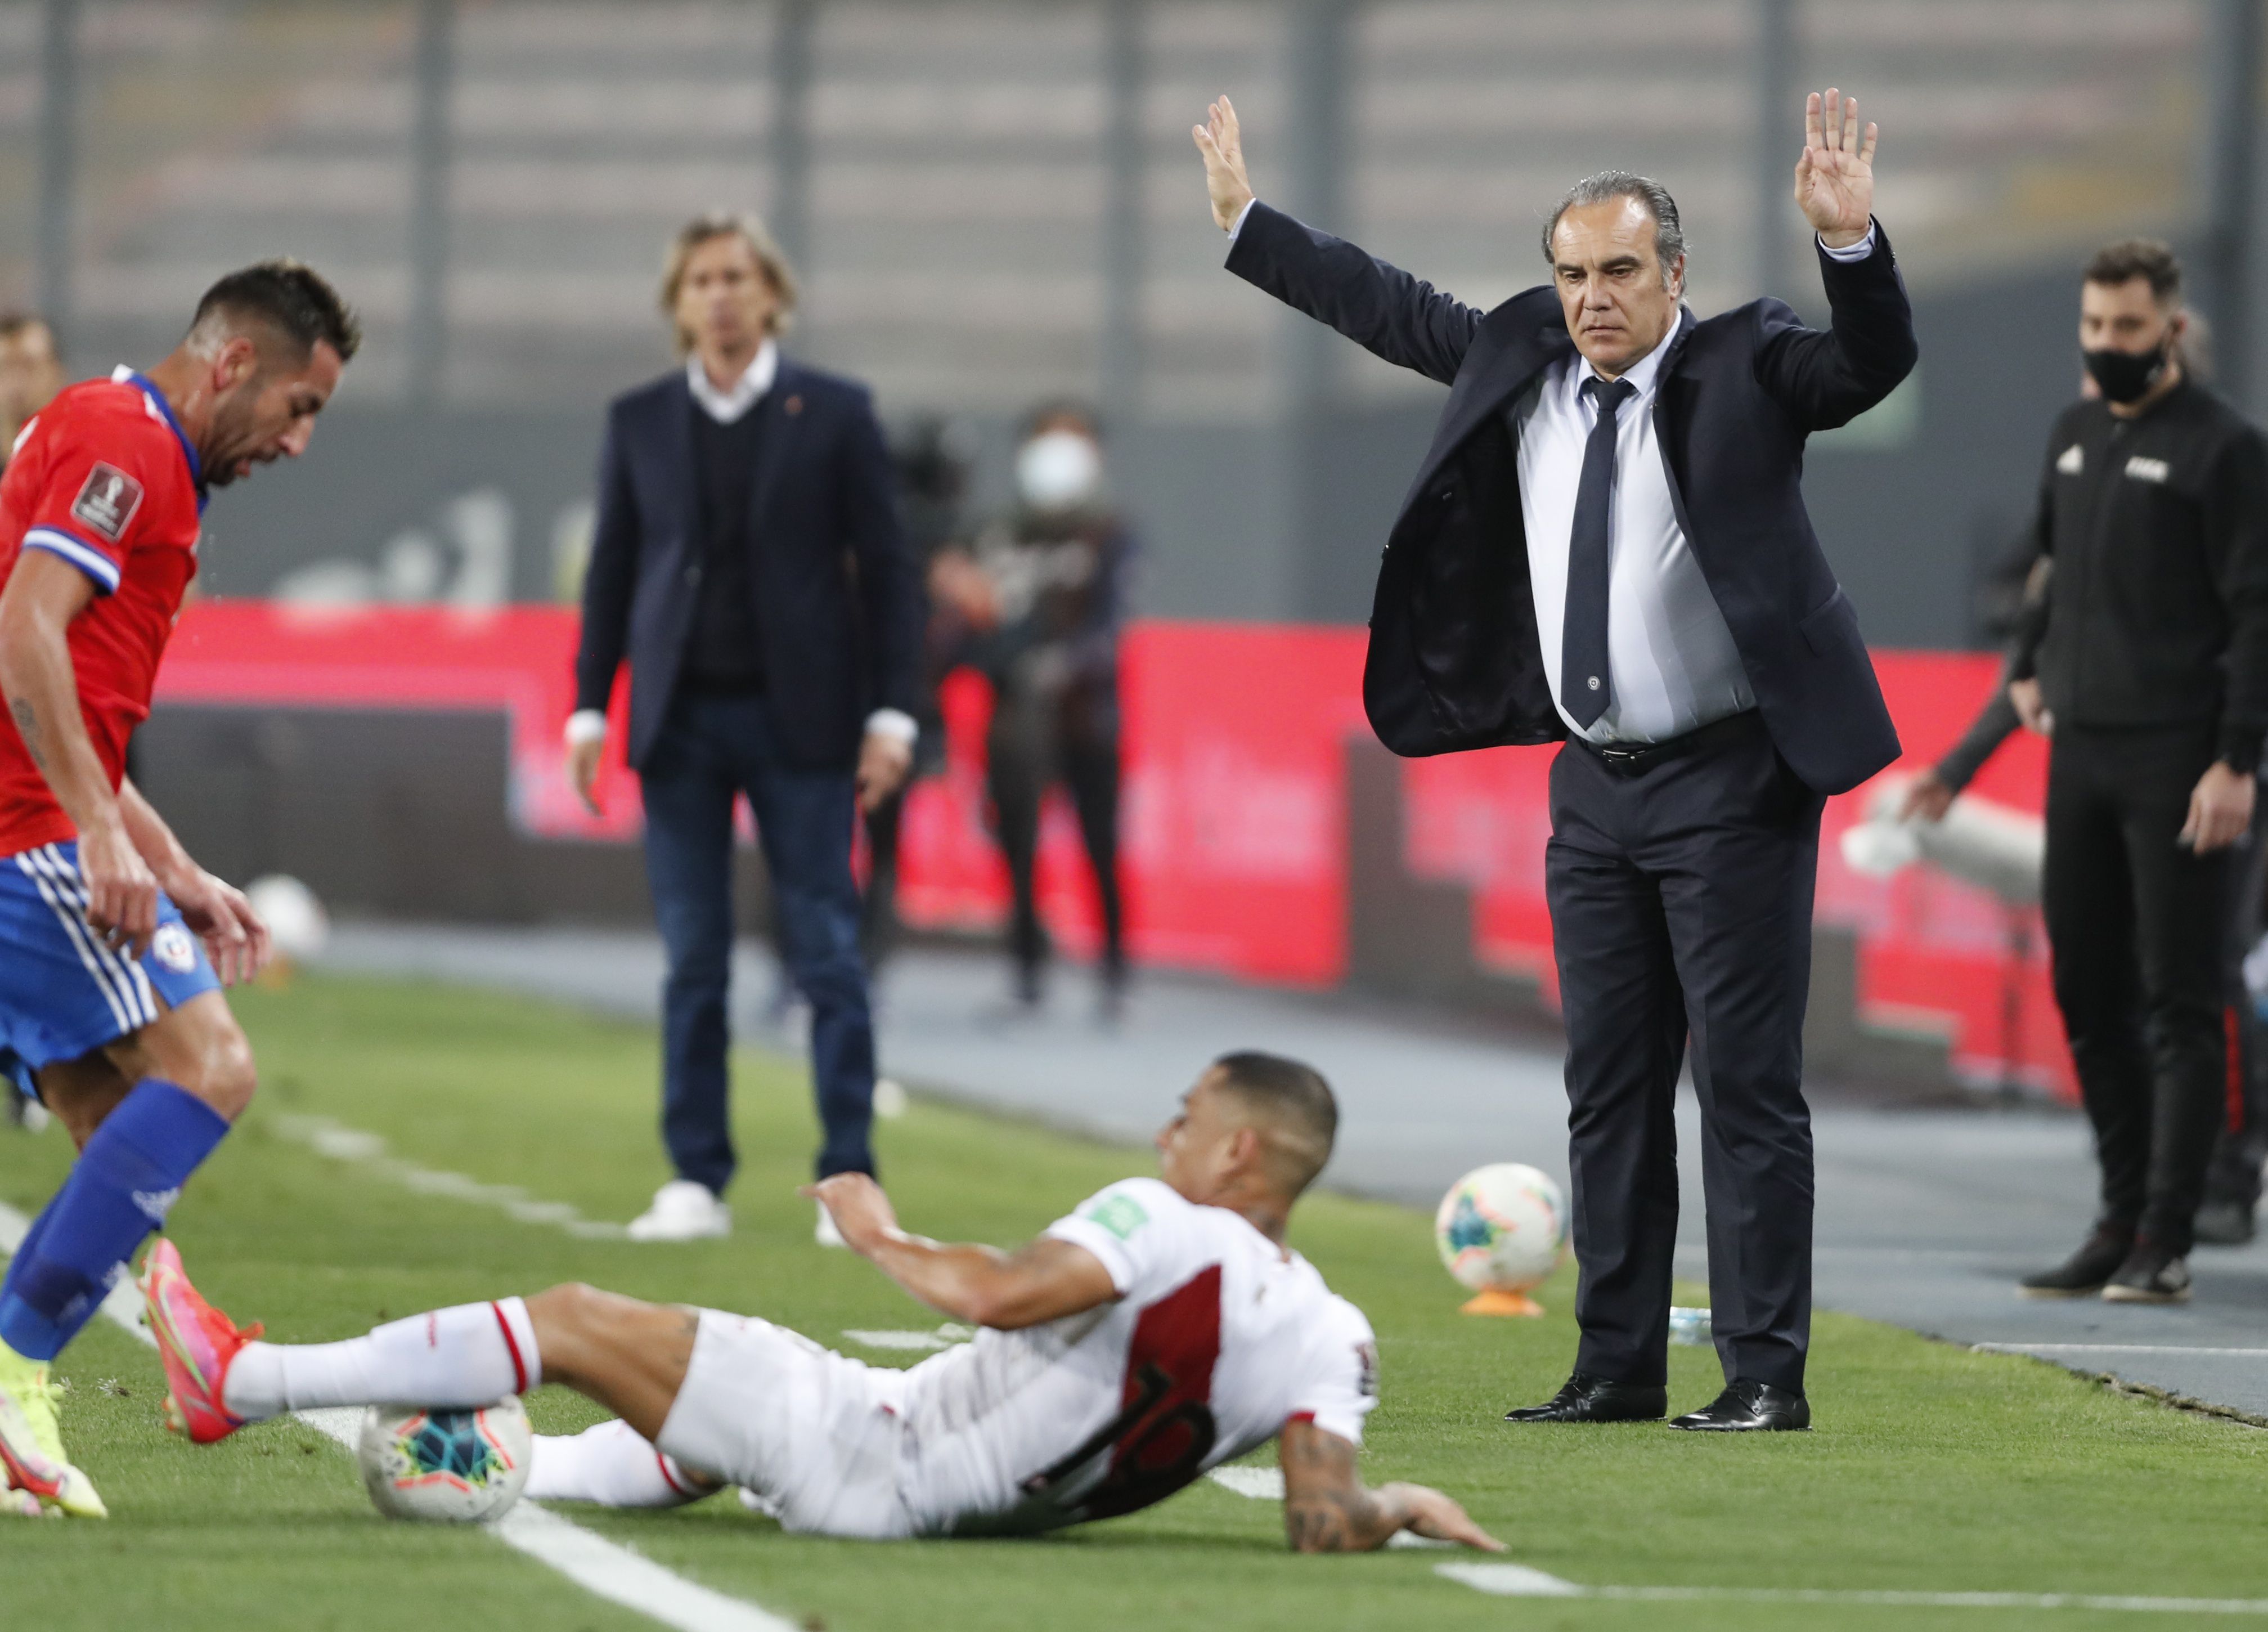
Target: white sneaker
(827,1233)
(682,1210)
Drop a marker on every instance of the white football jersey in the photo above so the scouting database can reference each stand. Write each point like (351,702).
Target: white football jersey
(1218,1337)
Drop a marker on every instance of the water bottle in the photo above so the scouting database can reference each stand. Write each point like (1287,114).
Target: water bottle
(1688,1326)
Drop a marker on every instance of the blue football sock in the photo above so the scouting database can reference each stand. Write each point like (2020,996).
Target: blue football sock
(126,1179)
(26,1250)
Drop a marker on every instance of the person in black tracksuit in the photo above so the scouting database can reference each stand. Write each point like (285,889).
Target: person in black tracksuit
(2151,671)
(2225,1213)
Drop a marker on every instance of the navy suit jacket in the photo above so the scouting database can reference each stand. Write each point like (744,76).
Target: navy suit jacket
(1455,661)
(838,597)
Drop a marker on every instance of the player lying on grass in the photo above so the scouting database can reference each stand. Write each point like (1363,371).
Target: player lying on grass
(109,1008)
(1162,1328)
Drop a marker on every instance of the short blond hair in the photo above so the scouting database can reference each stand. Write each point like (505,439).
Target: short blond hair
(708,227)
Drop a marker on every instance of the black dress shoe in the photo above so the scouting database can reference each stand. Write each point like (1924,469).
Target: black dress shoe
(2224,1223)
(1590,1398)
(1748,1408)
(2085,1272)
(2151,1274)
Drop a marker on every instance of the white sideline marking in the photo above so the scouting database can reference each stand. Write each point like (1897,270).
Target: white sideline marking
(2110,1348)
(1266,1484)
(599,1567)
(1511,1581)
(1519,1581)
(1262,1484)
(343,1143)
(913,1341)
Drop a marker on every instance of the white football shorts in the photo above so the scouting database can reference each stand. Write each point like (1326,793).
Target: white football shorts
(816,1434)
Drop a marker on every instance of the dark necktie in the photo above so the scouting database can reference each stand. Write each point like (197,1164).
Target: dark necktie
(1585,684)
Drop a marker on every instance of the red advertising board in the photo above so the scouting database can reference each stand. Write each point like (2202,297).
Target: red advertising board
(1235,844)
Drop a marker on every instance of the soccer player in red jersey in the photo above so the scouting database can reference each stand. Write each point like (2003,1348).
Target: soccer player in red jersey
(113,943)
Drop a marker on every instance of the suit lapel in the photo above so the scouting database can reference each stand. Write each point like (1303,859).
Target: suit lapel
(677,429)
(781,413)
(1668,409)
(1527,334)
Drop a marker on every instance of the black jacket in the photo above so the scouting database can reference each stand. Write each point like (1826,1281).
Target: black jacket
(1455,660)
(2157,612)
(838,597)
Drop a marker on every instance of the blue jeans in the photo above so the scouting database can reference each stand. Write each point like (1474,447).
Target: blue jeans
(712,748)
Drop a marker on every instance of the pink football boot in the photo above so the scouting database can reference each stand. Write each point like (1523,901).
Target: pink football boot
(196,1342)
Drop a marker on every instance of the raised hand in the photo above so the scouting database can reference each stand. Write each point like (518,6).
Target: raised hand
(1835,177)
(1222,144)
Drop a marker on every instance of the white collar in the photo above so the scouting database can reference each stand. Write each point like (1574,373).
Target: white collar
(1641,374)
(724,407)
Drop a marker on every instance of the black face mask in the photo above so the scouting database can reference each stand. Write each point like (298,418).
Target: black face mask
(2126,376)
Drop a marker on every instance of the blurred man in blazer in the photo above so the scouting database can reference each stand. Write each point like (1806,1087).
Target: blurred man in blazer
(749,566)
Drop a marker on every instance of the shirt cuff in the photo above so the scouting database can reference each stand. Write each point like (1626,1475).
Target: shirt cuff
(1858,251)
(894,723)
(586,725)
(82,555)
(1237,226)
(2239,749)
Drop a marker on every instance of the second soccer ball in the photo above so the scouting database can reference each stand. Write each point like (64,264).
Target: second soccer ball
(1502,1228)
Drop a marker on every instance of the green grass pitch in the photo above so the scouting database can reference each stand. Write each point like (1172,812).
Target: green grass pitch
(1931,1468)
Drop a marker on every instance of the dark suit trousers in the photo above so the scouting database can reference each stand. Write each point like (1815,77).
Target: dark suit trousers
(2138,929)
(710,749)
(1680,907)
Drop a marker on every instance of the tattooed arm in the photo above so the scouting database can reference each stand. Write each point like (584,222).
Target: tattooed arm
(44,593)
(1328,1509)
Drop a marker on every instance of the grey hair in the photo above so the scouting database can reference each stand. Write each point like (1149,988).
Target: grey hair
(1669,232)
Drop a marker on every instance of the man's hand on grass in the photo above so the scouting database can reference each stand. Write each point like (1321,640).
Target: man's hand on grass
(859,1208)
(1438,1517)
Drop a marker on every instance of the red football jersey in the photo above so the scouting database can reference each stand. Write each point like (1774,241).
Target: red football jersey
(103,477)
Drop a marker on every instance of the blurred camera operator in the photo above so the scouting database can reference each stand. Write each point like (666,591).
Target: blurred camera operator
(1035,605)
(2150,669)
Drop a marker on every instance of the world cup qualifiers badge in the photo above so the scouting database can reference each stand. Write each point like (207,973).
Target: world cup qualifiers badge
(107,500)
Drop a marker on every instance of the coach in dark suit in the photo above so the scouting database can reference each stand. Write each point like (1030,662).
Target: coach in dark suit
(1607,544)
(749,565)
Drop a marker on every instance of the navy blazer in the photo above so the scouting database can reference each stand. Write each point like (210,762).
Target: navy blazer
(1455,661)
(838,597)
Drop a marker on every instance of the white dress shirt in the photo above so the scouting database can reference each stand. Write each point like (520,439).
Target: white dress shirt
(1671,659)
(589,725)
(724,407)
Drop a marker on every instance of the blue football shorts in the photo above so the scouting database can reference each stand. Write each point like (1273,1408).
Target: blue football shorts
(62,992)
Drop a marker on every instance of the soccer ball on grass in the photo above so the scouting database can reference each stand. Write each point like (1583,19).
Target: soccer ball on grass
(444,1466)
(1501,1230)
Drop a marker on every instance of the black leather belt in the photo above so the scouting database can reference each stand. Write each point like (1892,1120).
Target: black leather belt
(1638,758)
